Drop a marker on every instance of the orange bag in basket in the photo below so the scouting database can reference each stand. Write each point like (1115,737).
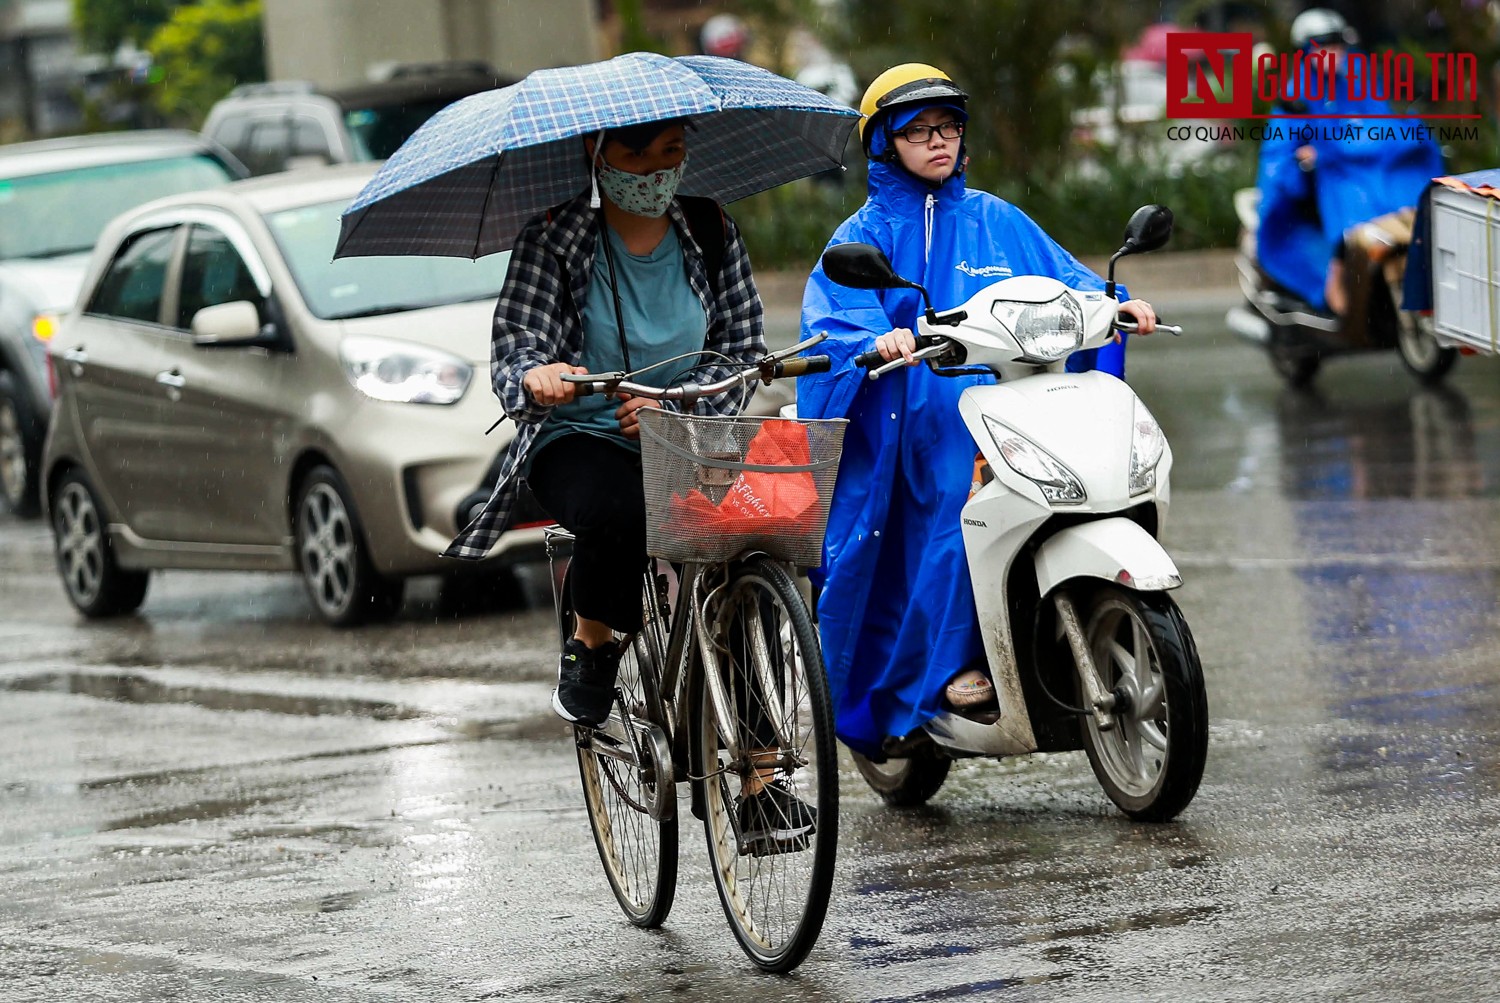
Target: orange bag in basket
(760,501)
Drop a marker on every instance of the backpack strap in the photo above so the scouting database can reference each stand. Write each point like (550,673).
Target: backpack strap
(705,221)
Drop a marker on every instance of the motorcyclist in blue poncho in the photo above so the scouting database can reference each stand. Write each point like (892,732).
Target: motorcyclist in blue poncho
(1313,190)
(897,616)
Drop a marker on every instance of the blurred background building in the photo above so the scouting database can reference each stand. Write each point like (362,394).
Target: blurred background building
(339,42)
(38,68)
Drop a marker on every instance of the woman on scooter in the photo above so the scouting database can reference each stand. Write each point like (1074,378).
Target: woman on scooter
(897,615)
(1312,191)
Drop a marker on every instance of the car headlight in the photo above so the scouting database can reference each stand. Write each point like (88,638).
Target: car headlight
(1059,485)
(1046,331)
(44,326)
(1147,443)
(403,371)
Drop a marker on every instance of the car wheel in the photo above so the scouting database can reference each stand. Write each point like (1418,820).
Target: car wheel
(334,558)
(94,580)
(20,450)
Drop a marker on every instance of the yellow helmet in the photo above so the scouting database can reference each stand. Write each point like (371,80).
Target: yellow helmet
(904,85)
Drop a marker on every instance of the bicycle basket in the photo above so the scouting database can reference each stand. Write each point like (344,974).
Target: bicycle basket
(719,486)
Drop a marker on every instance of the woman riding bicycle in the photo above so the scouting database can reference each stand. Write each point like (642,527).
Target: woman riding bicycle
(613,280)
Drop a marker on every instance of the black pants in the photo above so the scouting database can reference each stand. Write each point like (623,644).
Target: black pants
(592,487)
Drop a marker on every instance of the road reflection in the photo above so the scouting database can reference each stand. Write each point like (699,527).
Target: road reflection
(1398,581)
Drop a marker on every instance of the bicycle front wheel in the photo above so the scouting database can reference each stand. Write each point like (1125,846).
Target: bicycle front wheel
(769,725)
(630,792)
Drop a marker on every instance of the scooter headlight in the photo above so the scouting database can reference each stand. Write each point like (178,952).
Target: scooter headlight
(1147,443)
(1059,485)
(1046,331)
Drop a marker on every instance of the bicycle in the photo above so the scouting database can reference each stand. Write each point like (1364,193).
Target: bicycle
(724,683)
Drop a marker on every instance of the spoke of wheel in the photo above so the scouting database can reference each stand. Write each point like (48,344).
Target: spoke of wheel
(1153,734)
(1122,657)
(770,890)
(1153,702)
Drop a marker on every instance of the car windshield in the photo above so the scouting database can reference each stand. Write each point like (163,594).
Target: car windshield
(47,215)
(377,132)
(364,287)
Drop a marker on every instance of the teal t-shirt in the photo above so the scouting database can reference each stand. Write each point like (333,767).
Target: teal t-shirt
(663,318)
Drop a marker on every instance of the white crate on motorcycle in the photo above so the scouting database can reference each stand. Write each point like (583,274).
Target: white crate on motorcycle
(1466,269)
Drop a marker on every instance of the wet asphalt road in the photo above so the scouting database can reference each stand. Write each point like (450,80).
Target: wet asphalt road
(220,799)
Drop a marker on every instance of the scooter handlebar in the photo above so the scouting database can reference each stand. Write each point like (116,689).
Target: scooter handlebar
(1130,326)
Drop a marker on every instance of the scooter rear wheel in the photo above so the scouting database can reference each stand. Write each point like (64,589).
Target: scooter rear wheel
(1420,352)
(1298,369)
(906,782)
(1151,762)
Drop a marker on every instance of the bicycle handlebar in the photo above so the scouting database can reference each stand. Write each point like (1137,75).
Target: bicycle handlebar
(775,366)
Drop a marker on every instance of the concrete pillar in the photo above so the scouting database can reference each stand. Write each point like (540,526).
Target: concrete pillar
(336,42)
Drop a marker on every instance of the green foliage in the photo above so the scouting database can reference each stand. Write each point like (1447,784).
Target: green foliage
(103,24)
(202,52)
(634,36)
(788,227)
(1084,208)
(1027,64)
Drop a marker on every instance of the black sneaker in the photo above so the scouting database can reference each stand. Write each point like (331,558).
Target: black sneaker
(586,683)
(774,820)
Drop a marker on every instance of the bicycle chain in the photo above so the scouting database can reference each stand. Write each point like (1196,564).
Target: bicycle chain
(610,776)
(641,754)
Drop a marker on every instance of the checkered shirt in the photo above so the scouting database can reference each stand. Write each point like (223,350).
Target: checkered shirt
(538,320)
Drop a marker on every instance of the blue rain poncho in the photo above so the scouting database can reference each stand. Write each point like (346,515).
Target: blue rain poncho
(1365,168)
(896,610)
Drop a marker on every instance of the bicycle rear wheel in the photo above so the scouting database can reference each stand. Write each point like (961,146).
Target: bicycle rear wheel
(774,892)
(630,793)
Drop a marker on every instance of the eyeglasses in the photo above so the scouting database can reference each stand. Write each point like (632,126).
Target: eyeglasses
(922,133)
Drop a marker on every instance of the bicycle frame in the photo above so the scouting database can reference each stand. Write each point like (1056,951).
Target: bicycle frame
(690,647)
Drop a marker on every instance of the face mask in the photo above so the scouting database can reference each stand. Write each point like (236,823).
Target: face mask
(641,194)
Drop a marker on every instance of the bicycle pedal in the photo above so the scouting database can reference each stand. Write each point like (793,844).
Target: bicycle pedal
(774,847)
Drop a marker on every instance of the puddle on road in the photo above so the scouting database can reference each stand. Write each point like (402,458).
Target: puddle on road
(195,811)
(337,902)
(126,687)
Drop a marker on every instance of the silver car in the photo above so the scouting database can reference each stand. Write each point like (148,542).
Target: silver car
(56,195)
(230,397)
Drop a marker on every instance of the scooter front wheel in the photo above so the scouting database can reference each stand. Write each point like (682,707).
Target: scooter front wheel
(1151,761)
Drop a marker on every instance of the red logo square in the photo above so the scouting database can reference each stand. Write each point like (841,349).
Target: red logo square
(1209,74)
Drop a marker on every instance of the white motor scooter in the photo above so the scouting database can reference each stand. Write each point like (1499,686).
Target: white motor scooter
(1085,647)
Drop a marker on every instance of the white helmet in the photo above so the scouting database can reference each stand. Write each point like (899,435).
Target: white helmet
(1323,26)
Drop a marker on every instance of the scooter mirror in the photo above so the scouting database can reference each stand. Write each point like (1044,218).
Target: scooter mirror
(861,266)
(1149,228)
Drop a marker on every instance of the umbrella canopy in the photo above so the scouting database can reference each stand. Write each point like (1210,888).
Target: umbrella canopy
(467,181)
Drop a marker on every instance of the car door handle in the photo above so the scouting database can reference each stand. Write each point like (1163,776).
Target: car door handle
(170,379)
(75,358)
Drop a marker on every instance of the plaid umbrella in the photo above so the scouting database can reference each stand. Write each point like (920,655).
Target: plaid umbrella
(467,181)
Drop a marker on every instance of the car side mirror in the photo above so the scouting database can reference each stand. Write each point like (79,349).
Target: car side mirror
(1149,228)
(227,325)
(861,266)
